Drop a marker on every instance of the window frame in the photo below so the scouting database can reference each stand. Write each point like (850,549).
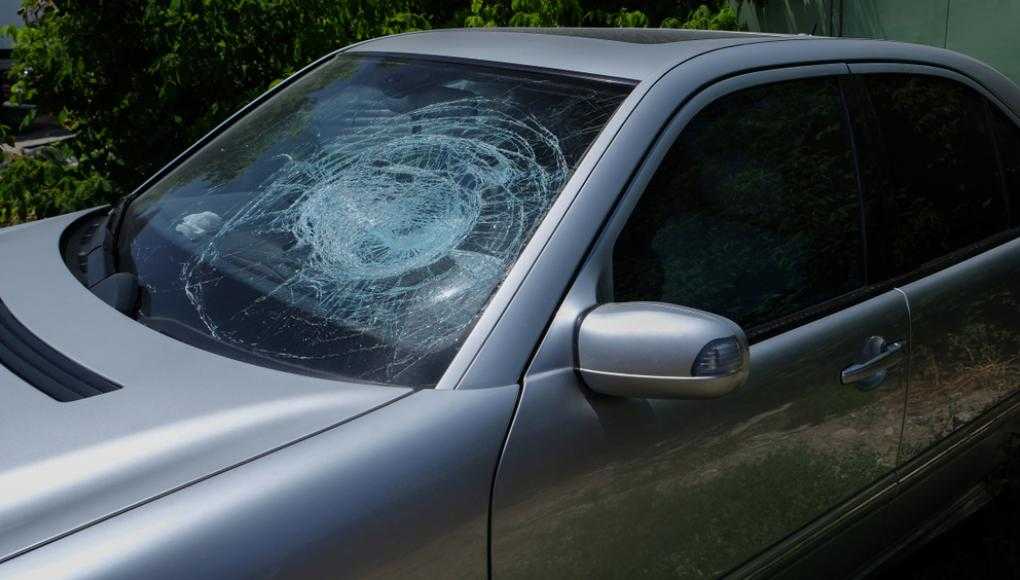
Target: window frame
(844,73)
(830,90)
(947,260)
(541,77)
(603,253)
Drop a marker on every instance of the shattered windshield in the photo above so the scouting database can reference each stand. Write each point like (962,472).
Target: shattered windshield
(355,225)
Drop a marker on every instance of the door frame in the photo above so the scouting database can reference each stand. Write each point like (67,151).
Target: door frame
(557,291)
(592,284)
(960,448)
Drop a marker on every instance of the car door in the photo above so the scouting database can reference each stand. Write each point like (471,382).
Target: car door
(944,164)
(749,207)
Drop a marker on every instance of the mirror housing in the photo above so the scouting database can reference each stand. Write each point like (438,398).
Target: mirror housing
(660,351)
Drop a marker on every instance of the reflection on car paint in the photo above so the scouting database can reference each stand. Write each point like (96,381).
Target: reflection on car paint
(966,344)
(654,488)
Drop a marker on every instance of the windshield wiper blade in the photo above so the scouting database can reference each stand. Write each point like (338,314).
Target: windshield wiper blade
(118,289)
(111,230)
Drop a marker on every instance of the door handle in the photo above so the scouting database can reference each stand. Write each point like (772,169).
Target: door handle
(875,360)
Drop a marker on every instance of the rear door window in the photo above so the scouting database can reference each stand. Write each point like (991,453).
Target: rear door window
(754,213)
(1007,137)
(941,189)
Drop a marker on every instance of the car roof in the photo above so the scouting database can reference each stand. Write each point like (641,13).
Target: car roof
(630,53)
(645,54)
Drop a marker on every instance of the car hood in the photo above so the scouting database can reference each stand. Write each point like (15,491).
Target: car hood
(181,415)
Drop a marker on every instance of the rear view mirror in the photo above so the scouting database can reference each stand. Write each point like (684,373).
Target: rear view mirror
(656,350)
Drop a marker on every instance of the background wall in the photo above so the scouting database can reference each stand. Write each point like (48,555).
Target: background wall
(988,30)
(8,15)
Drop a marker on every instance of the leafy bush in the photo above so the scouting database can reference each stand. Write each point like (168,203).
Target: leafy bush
(138,81)
(706,14)
(48,184)
(704,18)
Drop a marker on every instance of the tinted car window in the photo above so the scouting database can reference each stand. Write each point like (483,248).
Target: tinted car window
(1007,136)
(356,224)
(753,213)
(943,191)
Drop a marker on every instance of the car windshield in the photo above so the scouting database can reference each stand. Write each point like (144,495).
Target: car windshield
(355,224)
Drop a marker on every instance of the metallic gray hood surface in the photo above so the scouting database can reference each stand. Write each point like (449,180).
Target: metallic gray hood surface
(182,415)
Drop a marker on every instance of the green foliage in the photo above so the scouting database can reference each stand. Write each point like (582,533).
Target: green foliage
(161,74)
(48,184)
(405,22)
(544,12)
(723,17)
(628,18)
(706,14)
(484,15)
(138,81)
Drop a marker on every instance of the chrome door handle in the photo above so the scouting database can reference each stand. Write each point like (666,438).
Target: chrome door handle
(878,357)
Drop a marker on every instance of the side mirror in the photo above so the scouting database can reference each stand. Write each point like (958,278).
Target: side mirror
(660,351)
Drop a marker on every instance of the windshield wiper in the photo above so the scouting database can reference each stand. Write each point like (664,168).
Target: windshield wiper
(111,231)
(118,289)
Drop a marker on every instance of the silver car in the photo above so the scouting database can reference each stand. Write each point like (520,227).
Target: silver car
(530,303)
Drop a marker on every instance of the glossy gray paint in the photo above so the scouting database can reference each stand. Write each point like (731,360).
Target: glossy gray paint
(648,350)
(965,325)
(590,483)
(126,450)
(404,490)
(635,464)
(401,492)
(965,330)
(183,414)
(552,384)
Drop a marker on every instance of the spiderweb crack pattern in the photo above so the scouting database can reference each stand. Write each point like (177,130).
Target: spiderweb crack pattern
(400,230)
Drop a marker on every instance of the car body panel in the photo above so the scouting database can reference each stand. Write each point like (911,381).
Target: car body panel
(181,415)
(963,410)
(965,324)
(577,231)
(400,492)
(692,488)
